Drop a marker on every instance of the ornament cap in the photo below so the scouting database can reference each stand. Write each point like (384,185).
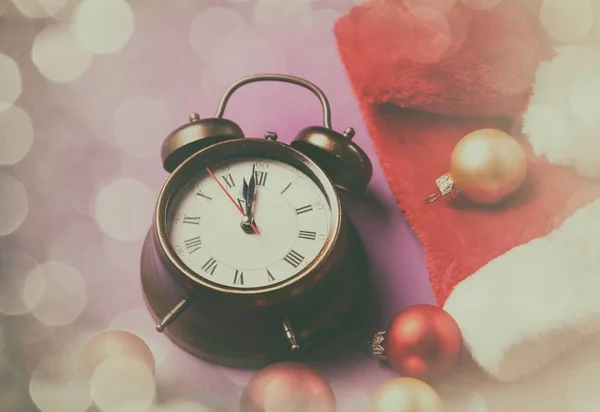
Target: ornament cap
(375,347)
(445,185)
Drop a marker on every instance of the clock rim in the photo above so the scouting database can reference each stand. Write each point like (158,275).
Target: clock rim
(246,148)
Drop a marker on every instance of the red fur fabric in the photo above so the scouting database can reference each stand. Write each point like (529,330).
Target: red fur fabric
(424,79)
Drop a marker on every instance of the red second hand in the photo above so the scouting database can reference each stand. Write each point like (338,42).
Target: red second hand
(232,199)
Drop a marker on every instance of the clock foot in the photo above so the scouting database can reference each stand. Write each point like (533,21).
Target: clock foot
(290,336)
(174,314)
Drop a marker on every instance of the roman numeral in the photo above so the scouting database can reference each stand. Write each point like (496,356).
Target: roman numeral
(294,258)
(270,276)
(191,220)
(210,266)
(238,278)
(203,195)
(304,209)
(260,178)
(305,234)
(229,181)
(286,188)
(193,244)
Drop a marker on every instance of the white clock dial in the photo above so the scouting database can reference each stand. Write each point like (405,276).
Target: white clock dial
(289,210)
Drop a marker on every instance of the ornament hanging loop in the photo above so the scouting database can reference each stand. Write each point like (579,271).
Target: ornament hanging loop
(445,185)
(433,197)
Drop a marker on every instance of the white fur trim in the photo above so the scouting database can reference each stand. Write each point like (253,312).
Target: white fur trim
(562,121)
(534,302)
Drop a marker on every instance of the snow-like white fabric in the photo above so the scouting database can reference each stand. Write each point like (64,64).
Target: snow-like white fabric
(534,302)
(562,121)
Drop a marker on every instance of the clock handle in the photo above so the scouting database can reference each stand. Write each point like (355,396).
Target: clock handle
(174,313)
(289,335)
(278,78)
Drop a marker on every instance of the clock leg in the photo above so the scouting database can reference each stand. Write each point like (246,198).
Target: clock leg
(290,336)
(174,313)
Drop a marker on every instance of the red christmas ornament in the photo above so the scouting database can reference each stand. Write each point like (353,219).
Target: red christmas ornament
(287,386)
(422,342)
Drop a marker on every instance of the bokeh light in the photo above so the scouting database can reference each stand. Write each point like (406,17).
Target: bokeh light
(513,65)
(15,265)
(289,21)
(352,401)
(482,4)
(180,405)
(434,35)
(254,54)
(140,323)
(441,6)
(114,343)
(476,403)
(55,293)
(211,25)
(10,82)
(14,206)
(16,135)
(567,21)
(124,209)
(120,253)
(56,386)
(54,7)
(140,124)
(32,8)
(123,384)
(58,55)
(375,24)
(77,244)
(582,388)
(584,100)
(90,24)
(240,377)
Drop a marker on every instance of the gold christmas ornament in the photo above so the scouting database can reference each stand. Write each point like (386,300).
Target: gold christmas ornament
(406,395)
(486,166)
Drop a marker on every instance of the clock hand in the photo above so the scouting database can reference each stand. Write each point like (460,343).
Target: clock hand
(249,196)
(252,225)
(244,194)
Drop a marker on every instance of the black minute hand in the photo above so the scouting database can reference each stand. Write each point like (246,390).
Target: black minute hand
(249,198)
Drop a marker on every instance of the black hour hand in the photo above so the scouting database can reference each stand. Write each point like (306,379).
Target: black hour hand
(245,196)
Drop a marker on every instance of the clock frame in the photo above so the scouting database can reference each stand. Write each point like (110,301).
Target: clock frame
(250,328)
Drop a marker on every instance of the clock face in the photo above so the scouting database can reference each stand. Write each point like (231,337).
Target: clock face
(291,216)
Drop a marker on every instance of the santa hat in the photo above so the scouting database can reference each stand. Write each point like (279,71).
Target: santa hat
(522,278)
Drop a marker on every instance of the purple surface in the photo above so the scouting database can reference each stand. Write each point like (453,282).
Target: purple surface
(80,171)
(105,123)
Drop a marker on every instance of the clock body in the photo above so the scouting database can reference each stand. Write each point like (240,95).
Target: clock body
(251,297)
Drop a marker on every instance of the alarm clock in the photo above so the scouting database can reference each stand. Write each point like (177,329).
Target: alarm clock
(250,257)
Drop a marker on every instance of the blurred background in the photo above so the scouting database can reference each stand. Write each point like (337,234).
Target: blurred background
(88,91)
